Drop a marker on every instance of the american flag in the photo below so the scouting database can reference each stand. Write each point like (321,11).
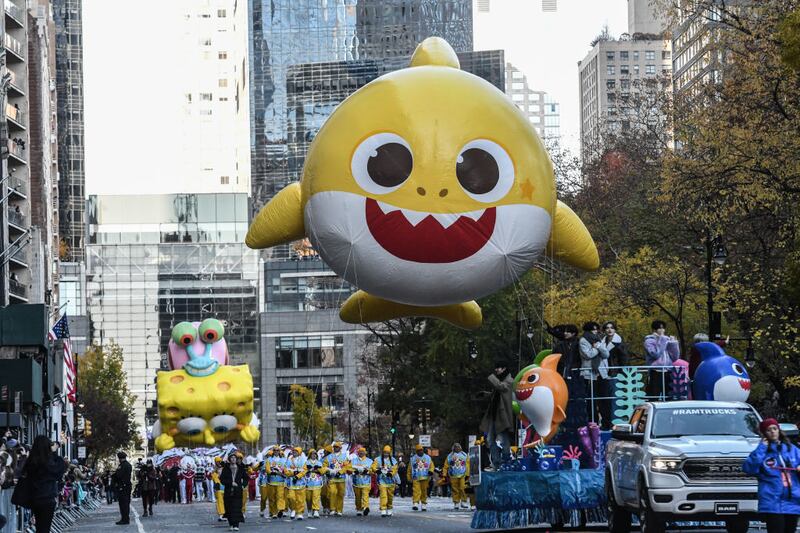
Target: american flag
(60,330)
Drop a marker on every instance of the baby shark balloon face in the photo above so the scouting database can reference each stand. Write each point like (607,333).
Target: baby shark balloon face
(425,189)
(428,187)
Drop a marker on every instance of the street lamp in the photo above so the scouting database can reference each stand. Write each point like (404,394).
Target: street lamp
(720,253)
(716,253)
(473,349)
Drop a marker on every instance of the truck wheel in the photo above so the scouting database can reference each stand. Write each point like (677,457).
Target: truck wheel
(737,525)
(649,520)
(619,520)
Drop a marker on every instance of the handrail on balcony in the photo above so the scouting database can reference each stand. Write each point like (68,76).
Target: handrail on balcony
(16,184)
(14,113)
(18,288)
(15,11)
(16,218)
(13,45)
(16,149)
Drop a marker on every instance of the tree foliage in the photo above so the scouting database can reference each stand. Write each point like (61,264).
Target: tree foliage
(310,420)
(107,403)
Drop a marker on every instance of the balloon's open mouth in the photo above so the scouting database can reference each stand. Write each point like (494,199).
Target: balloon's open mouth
(429,237)
(523,395)
(744,383)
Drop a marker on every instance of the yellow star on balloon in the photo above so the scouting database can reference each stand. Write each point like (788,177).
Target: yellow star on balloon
(527,189)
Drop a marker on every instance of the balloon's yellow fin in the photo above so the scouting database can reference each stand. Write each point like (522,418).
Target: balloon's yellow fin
(362,307)
(570,241)
(278,222)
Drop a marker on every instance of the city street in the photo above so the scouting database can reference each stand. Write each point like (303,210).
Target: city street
(174,518)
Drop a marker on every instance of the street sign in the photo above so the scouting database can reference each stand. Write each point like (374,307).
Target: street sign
(81,424)
(81,452)
(425,440)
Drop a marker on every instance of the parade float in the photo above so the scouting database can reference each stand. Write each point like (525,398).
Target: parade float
(203,400)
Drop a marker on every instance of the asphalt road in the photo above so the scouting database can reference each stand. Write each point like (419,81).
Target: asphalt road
(176,518)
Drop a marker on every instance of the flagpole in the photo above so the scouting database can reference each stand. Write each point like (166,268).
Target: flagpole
(57,311)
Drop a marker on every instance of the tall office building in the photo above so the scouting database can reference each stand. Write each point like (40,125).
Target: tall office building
(69,88)
(616,74)
(156,260)
(213,150)
(540,108)
(697,58)
(306,57)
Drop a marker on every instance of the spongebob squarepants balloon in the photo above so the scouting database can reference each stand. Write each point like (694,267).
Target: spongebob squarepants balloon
(203,401)
(426,188)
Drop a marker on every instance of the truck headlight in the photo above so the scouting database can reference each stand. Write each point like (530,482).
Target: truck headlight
(665,464)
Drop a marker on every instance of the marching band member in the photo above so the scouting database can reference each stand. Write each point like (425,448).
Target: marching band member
(385,467)
(219,490)
(315,478)
(186,476)
(361,466)
(420,468)
(274,466)
(324,494)
(456,466)
(263,483)
(295,471)
(338,465)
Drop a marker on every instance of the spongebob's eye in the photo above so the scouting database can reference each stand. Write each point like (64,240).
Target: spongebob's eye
(222,423)
(191,425)
(184,334)
(484,170)
(382,163)
(211,330)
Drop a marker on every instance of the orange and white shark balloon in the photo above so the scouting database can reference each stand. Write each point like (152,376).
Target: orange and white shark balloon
(426,188)
(541,397)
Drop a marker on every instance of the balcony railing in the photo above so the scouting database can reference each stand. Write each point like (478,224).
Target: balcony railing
(16,149)
(14,113)
(14,46)
(17,185)
(16,12)
(16,81)
(21,256)
(18,289)
(16,218)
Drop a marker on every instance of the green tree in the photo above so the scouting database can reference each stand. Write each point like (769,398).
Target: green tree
(310,420)
(107,403)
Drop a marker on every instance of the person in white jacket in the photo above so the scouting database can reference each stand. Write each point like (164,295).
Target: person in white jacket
(594,369)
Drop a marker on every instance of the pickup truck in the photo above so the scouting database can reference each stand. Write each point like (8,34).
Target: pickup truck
(682,462)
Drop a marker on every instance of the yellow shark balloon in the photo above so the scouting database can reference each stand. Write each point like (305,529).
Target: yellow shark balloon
(426,188)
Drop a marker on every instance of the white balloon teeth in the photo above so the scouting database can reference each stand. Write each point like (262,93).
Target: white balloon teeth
(444,219)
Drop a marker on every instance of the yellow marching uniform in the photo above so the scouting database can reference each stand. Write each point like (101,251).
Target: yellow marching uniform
(456,467)
(263,484)
(275,490)
(338,465)
(420,468)
(295,472)
(315,478)
(361,467)
(218,493)
(324,496)
(385,467)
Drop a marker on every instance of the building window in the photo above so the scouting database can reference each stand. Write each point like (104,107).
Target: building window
(205,41)
(284,434)
(666,54)
(536,119)
(327,394)
(623,55)
(483,7)
(609,56)
(650,55)
(222,55)
(309,352)
(636,69)
(535,108)
(224,180)
(517,97)
(221,13)
(649,69)
(206,112)
(206,97)
(188,98)
(625,85)
(223,98)
(223,82)
(518,85)
(623,70)
(610,84)
(610,70)
(636,55)
(516,74)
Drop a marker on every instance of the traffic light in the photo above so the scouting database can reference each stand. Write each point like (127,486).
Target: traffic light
(87,428)
(395,423)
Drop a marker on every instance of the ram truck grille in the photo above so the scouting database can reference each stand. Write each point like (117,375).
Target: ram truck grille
(715,470)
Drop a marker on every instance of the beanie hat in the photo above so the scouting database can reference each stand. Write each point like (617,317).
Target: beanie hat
(762,427)
(418,447)
(387,449)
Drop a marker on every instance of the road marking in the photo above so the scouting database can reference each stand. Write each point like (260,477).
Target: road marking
(311,527)
(139,525)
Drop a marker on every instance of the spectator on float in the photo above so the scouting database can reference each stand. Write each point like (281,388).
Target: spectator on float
(618,353)
(45,469)
(594,369)
(566,344)
(660,350)
(499,422)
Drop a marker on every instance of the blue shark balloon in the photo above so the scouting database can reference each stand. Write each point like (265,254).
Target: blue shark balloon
(719,377)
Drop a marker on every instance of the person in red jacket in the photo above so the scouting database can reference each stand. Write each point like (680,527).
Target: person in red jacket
(185,481)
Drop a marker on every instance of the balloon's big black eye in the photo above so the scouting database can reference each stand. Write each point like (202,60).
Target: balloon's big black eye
(390,165)
(533,378)
(477,171)
(382,163)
